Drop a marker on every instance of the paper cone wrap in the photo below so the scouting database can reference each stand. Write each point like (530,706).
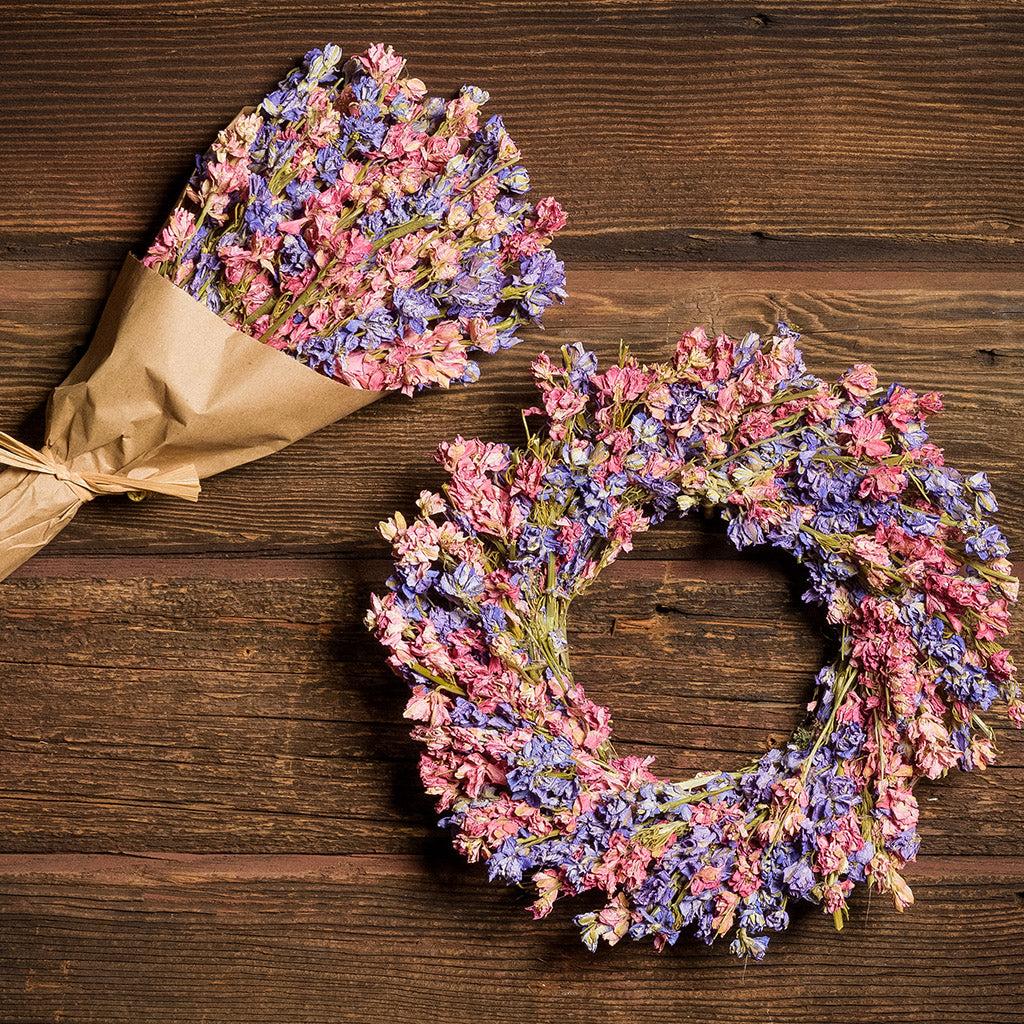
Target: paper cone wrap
(167,390)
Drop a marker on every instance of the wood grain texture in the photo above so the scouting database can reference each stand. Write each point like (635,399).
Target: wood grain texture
(697,131)
(426,941)
(209,808)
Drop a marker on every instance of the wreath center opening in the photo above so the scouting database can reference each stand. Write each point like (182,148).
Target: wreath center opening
(704,663)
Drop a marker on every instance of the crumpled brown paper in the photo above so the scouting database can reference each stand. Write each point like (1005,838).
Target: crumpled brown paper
(166,387)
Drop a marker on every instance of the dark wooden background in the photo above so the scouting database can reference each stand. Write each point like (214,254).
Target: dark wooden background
(208,802)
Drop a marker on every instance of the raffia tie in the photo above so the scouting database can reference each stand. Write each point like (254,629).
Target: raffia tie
(179,483)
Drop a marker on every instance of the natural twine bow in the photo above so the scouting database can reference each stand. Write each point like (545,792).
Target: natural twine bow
(180,483)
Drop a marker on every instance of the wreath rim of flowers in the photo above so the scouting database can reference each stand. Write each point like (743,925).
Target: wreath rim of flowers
(521,760)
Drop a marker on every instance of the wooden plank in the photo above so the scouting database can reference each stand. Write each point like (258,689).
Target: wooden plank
(252,712)
(429,941)
(957,333)
(788,132)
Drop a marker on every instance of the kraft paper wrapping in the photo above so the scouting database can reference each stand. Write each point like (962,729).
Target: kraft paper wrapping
(166,387)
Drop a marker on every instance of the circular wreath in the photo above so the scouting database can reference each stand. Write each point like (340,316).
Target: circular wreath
(896,545)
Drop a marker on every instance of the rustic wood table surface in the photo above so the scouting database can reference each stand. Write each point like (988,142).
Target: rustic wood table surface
(209,809)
